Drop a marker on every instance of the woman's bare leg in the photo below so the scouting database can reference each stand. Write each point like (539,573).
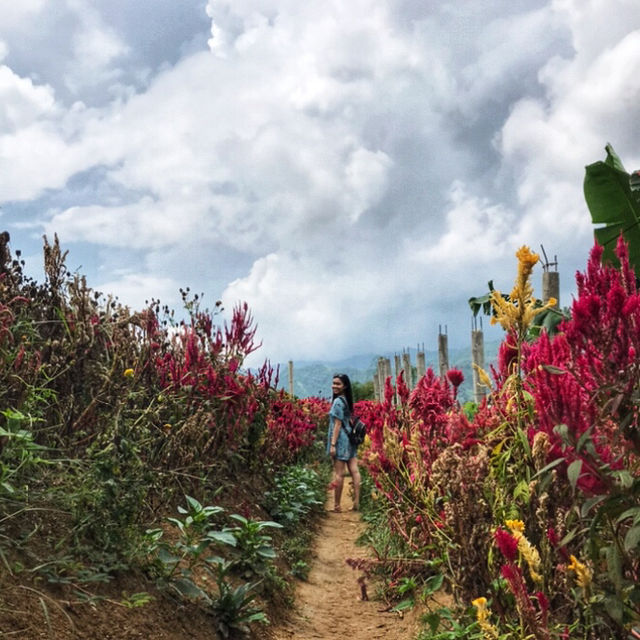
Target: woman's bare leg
(355,478)
(338,482)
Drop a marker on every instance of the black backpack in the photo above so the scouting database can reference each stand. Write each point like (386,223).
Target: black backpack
(358,429)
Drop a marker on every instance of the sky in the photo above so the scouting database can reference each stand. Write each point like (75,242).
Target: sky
(354,171)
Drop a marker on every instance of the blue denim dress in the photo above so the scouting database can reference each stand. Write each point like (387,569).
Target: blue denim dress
(344,449)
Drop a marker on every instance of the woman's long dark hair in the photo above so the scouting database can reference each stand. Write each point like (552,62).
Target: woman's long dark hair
(348,394)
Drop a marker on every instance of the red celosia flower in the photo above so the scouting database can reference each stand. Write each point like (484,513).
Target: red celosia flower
(456,377)
(507,544)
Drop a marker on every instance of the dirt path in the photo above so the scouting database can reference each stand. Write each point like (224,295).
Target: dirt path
(329,605)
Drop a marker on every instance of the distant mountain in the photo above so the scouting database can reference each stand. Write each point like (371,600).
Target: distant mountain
(313,378)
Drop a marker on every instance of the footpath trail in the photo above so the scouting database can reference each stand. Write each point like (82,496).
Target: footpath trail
(329,603)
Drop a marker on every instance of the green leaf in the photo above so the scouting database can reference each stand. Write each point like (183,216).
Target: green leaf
(7,487)
(225,537)
(556,371)
(194,504)
(433,584)
(482,303)
(563,431)
(568,538)
(178,523)
(583,440)
(266,552)
(613,206)
(633,512)
(551,465)
(166,557)
(573,473)
(614,566)
(187,588)
(270,523)
(614,608)
(590,503)
(403,605)
(433,620)
(624,478)
(522,491)
(632,539)
(524,441)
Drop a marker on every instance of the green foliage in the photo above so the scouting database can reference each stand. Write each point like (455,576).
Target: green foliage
(446,624)
(613,206)
(232,606)
(298,491)
(362,390)
(295,501)
(254,549)
(18,453)
(189,562)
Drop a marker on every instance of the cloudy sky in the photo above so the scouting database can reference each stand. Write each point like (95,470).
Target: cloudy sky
(355,170)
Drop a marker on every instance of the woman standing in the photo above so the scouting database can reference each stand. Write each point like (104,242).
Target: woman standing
(342,452)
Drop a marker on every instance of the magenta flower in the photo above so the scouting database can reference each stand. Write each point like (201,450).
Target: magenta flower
(456,377)
(507,544)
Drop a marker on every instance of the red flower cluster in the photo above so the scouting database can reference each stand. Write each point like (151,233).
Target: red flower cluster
(585,376)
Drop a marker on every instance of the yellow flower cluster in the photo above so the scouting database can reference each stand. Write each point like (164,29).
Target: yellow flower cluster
(128,373)
(526,549)
(518,312)
(482,615)
(583,573)
(483,376)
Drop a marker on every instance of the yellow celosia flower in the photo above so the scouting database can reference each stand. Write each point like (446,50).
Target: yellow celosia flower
(518,312)
(583,573)
(532,557)
(515,526)
(526,549)
(483,376)
(482,615)
(128,373)
(481,605)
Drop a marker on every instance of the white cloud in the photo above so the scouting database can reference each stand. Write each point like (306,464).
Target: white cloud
(478,232)
(362,167)
(22,102)
(133,288)
(95,48)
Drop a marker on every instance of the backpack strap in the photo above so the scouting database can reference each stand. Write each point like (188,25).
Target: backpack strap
(347,414)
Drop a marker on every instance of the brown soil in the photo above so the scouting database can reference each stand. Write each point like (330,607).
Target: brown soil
(329,605)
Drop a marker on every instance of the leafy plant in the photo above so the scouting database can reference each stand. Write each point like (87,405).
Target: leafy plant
(254,550)
(613,206)
(232,605)
(298,491)
(186,564)
(19,451)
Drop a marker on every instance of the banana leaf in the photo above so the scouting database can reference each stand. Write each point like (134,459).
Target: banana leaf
(614,207)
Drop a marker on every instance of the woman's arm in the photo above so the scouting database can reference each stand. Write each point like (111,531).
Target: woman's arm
(337,423)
